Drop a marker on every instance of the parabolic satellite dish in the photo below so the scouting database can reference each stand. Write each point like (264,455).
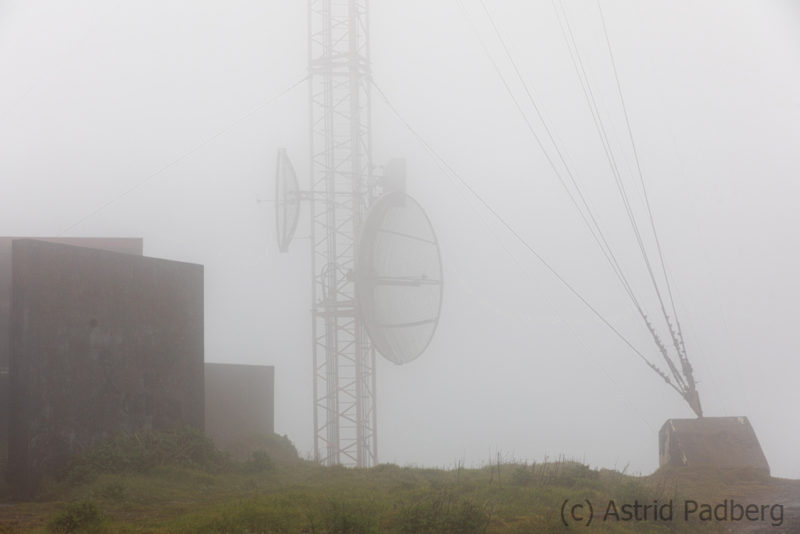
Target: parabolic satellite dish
(399,280)
(287,201)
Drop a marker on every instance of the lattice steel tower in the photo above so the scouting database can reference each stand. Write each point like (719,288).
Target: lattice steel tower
(342,188)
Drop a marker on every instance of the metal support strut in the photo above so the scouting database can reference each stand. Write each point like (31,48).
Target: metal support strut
(341,191)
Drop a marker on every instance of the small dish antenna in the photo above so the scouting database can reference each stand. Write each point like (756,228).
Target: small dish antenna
(399,277)
(287,201)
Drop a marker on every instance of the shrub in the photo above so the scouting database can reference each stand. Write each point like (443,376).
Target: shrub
(259,462)
(279,448)
(560,473)
(349,518)
(113,491)
(83,517)
(142,451)
(443,514)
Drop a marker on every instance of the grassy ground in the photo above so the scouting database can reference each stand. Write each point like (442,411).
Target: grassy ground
(126,487)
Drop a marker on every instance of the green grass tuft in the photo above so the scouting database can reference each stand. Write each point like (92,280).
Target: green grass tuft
(444,513)
(164,484)
(83,517)
(141,452)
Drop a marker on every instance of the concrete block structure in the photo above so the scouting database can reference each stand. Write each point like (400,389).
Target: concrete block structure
(101,343)
(4,401)
(125,245)
(716,442)
(240,401)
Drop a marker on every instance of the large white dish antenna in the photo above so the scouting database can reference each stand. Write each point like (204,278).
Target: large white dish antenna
(287,201)
(399,277)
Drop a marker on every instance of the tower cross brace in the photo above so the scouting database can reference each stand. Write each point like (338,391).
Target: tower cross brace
(342,188)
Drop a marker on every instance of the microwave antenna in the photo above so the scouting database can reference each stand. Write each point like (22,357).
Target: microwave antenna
(376,270)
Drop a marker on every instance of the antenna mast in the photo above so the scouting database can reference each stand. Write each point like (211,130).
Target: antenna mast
(341,191)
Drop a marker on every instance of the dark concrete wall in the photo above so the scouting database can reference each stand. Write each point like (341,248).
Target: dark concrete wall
(718,442)
(101,343)
(240,401)
(3,411)
(126,245)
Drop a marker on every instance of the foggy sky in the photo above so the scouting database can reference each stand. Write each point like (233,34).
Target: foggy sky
(158,120)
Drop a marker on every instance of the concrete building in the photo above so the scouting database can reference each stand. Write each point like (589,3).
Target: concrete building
(126,245)
(240,402)
(101,342)
(717,442)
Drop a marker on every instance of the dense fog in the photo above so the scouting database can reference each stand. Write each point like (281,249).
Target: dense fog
(162,120)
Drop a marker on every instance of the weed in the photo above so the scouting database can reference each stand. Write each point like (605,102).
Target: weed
(444,513)
(259,462)
(143,451)
(302,497)
(113,491)
(560,473)
(344,517)
(279,448)
(84,517)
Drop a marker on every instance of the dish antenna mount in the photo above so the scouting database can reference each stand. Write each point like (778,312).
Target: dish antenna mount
(376,272)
